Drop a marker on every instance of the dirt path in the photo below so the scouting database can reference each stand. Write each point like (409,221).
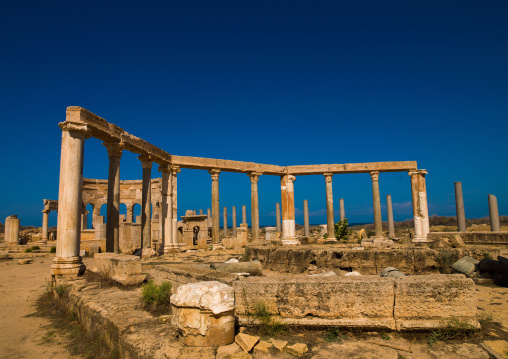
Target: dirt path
(23,335)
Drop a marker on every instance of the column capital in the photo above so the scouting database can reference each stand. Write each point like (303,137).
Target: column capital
(374,175)
(254,176)
(164,167)
(288,178)
(46,211)
(175,170)
(215,174)
(328,176)
(114,148)
(146,161)
(76,128)
(417,172)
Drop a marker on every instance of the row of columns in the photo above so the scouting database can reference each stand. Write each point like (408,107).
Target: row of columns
(495,225)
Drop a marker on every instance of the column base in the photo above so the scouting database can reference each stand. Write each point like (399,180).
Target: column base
(169,248)
(72,266)
(331,241)
(42,241)
(288,241)
(421,240)
(217,246)
(147,253)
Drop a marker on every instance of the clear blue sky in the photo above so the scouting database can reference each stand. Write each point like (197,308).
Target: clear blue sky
(279,82)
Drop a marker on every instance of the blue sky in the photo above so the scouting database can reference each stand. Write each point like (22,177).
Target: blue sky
(280,82)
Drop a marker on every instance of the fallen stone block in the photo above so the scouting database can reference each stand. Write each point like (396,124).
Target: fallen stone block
(25,261)
(204,312)
(252,267)
(465,265)
(353,273)
(298,349)
(263,347)
(496,348)
(392,272)
(456,241)
(279,345)
(122,268)
(246,341)
(225,351)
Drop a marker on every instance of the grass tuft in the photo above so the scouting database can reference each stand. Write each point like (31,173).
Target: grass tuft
(453,329)
(335,335)
(155,297)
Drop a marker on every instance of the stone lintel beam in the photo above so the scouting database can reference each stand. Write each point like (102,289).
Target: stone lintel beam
(226,165)
(352,168)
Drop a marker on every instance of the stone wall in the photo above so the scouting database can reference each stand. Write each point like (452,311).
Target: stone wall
(179,274)
(480,238)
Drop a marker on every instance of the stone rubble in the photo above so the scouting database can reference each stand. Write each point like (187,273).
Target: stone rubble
(246,341)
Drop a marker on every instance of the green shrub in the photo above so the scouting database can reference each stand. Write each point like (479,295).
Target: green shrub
(342,231)
(270,326)
(35,248)
(28,250)
(52,250)
(451,330)
(156,297)
(335,335)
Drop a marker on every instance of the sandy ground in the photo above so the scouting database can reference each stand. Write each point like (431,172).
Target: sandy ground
(22,335)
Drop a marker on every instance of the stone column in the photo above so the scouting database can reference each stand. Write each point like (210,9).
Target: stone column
(11,235)
(130,214)
(225,222)
(306,218)
(84,220)
(376,198)
(115,150)
(244,214)
(288,210)
(254,204)
(146,201)
(45,218)
(459,204)
(420,209)
(341,209)
(96,215)
(494,214)
(215,206)
(166,220)
(67,260)
(234,221)
(416,214)
(422,201)
(200,212)
(277,218)
(175,170)
(330,221)
(209,219)
(391,227)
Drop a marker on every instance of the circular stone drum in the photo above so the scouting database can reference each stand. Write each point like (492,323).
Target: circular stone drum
(204,313)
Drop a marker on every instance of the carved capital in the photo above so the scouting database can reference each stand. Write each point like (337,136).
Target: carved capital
(328,177)
(146,161)
(374,175)
(164,167)
(46,211)
(76,129)
(215,174)
(114,148)
(254,176)
(288,178)
(417,172)
(175,170)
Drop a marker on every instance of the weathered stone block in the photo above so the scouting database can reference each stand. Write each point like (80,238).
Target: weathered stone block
(427,301)
(122,268)
(465,265)
(246,341)
(298,349)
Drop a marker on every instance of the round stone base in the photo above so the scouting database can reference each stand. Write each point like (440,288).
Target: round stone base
(67,266)
(290,241)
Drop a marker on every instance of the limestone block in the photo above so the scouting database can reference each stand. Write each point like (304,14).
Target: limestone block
(11,235)
(349,301)
(392,272)
(465,265)
(298,349)
(246,341)
(225,351)
(426,301)
(122,268)
(100,230)
(252,267)
(270,233)
(263,347)
(457,241)
(204,313)
(279,345)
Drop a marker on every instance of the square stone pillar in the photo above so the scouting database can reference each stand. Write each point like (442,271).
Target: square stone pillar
(254,203)
(288,210)
(67,260)
(11,235)
(115,150)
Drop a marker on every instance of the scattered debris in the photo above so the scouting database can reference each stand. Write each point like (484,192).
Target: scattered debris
(298,349)
(353,273)
(465,265)
(246,341)
(392,272)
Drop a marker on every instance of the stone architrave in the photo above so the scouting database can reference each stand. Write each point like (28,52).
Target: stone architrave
(11,235)
(225,222)
(233,218)
(277,218)
(306,227)
(146,200)
(115,150)
(391,227)
(254,200)
(288,210)
(420,209)
(330,221)
(67,259)
(215,206)
(204,313)
(376,199)
(342,210)
(459,204)
(494,214)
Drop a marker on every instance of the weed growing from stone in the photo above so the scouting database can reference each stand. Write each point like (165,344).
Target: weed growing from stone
(335,335)
(453,329)
(385,337)
(52,250)
(156,297)
(270,326)
(28,250)
(35,248)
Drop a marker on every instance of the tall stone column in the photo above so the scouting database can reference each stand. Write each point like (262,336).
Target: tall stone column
(166,220)
(175,170)
(67,260)
(96,215)
(209,219)
(146,201)
(288,210)
(376,199)
(494,214)
(391,227)
(254,204)
(115,150)
(416,212)
(45,218)
(306,227)
(330,221)
(420,208)
(459,204)
(277,218)
(84,219)
(422,201)
(234,221)
(341,209)
(225,222)
(215,206)
(244,214)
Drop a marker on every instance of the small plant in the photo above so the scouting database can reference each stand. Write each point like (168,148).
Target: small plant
(342,231)
(52,250)
(335,335)
(35,248)
(451,330)
(486,255)
(385,337)
(156,297)
(28,250)
(60,290)
(400,356)
(270,326)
